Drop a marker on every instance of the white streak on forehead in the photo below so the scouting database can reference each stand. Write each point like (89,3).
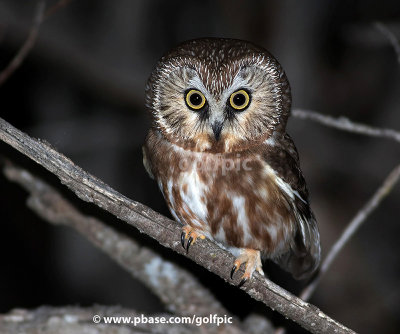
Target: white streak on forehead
(197,83)
(238,82)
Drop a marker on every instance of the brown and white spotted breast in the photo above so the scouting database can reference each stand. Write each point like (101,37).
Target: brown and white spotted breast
(235,198)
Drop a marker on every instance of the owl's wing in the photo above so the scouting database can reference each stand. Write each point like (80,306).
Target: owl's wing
(304,255)
(146,162)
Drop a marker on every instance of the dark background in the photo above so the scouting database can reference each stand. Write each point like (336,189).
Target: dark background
(82,89)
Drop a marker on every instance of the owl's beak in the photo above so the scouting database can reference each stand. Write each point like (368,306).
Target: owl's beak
(217,128)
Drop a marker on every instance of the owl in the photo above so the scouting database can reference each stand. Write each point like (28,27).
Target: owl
(219,151)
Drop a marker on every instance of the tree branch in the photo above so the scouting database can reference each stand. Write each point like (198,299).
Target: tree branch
(390,36)
(167,232)
(361,216)
(56,7)
(27,46)
(343,123)
(180,291)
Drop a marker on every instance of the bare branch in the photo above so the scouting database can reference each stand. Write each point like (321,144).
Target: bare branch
(167,232)
(87,72)
(27,46)
(180,291)
(390,36)
(343,123)
(56,7)
(352,227)
(40,16)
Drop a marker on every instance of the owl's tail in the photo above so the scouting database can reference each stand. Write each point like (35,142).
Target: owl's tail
(304,255)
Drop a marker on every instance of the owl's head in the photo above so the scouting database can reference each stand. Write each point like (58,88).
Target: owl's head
(218,95)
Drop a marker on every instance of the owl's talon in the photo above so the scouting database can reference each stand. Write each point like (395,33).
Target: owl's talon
(188,244)
(192,234)
(244,280)
(252,260)
(234,268)
(183,239)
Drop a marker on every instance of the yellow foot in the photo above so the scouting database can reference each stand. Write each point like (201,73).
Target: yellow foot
(252,259)
(191,233)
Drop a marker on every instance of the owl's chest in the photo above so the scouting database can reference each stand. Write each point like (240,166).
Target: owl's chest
(236,199)
(214,190)
(189,187)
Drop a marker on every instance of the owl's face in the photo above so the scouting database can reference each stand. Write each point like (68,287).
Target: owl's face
(218,95)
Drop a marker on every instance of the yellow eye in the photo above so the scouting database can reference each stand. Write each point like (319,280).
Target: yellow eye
(195,99)
(239,100)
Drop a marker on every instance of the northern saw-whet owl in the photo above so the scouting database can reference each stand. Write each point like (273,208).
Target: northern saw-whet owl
(219,150)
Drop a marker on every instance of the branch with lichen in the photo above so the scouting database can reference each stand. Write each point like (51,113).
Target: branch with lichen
(165,231)
(179,290)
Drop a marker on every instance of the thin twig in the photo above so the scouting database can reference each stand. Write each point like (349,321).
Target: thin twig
(86,71)
(167,232)
(27,46)
(349,231)
(390,36)
(56,7)
(343,123)
(180,291)
(352,227)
